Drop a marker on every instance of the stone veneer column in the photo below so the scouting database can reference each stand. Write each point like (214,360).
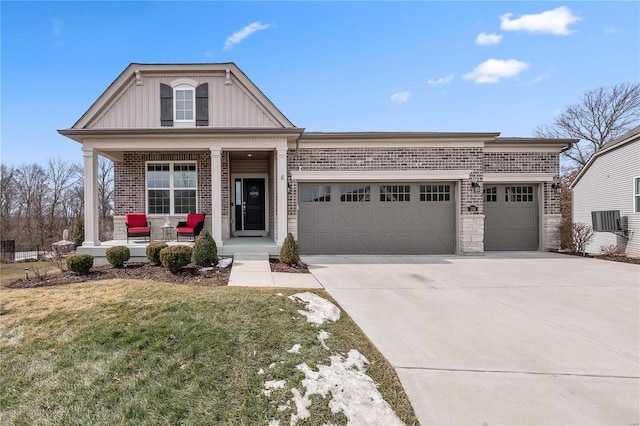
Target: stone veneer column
(281,197)
(551,239)
(91,237)
(216,195)
(472,234)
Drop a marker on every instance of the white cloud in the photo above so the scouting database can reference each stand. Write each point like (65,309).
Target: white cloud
(57,25)
(238,36)
(400,97)
(488,39)
(493,70)
(554,21)
(440,81)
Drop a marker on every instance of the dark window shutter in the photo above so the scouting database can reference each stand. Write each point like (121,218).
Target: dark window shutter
(202,105)
(166,105)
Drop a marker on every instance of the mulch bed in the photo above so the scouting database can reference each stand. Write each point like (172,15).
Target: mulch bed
(277,266)
(189,275)
(609,257)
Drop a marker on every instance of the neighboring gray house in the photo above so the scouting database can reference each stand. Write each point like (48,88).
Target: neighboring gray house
(203,137)
(606,195)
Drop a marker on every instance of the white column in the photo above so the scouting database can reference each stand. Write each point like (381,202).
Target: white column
(91,237)
(281,195)
(216,195)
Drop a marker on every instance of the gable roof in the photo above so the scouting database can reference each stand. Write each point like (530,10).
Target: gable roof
(632,135)
(134,70)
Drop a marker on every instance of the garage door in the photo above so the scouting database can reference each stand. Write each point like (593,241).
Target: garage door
(511,217)
(376,218)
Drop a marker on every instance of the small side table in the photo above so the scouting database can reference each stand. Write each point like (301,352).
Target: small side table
(166,232)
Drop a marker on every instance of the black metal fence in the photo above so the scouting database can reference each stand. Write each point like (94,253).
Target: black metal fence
(12,252)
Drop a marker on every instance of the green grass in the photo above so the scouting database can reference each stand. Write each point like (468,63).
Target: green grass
(134,352)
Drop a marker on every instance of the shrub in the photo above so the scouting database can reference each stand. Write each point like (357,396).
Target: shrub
(289,251)
(611,250)
(205,251)
(78,233)
(582,234)
(175,257)
(80,263)
(117,255)
(153,251)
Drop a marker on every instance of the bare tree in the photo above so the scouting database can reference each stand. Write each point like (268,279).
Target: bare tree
(62,176)
(31,185)
(598,118)
(8,195)
(105,197)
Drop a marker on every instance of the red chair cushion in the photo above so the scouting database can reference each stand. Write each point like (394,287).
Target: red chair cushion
(136,220)
(184,230)
(193,219)
(138,230)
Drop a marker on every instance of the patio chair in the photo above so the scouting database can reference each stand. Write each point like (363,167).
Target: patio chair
(192,227)
(137,226)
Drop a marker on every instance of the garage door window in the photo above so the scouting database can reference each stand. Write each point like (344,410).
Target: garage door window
(394,193)
(519,194)
(315,193)
(355,193)
(435,192)
(490,194)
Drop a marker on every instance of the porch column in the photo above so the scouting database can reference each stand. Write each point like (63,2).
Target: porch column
(281,197)
(91,236)
(216,195)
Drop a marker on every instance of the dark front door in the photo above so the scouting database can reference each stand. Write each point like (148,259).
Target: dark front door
(250,213)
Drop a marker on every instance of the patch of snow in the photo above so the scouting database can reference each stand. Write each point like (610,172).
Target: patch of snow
(224,263)
(272,365)
(295,349)
(322,336)
(273,384)
(274,423)
(260,372)
(316,309)
(279,294)
(353,392)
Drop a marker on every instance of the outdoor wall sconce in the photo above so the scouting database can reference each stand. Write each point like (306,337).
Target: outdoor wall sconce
(475,186)
(472,208)
(556,187)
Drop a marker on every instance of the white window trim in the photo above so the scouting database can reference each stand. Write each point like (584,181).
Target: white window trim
(636,195)
(171,187)
(175,100)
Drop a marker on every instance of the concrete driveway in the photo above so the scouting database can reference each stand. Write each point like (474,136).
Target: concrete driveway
(506,338)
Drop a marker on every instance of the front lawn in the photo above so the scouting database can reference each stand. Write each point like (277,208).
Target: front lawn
(138,352)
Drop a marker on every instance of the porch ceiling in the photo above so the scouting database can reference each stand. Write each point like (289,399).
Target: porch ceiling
(250,155)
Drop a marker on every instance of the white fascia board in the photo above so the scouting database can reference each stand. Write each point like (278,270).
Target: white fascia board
(519,148)
(185,144)
(379,176)
(388,143)
(517,177)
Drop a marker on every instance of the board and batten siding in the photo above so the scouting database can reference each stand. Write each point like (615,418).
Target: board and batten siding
(230,105)
(608,185)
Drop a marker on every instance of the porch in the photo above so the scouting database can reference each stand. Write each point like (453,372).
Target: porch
(138,248)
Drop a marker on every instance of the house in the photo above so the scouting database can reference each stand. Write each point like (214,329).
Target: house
(203,137)
(606,195)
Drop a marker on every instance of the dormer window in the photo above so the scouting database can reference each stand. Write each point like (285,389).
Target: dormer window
(184,102)
(184,107)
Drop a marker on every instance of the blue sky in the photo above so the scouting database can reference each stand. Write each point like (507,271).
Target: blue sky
(328,66)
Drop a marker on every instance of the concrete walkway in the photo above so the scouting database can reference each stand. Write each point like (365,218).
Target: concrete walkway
(505,338)
(253,270)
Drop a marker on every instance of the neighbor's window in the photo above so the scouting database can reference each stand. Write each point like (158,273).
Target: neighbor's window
(636,194)
(519,194)
(171,188)
(395,193)
(435,192)
(355,193)
(184,103)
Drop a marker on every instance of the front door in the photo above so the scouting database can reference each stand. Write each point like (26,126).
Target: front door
(250,204)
